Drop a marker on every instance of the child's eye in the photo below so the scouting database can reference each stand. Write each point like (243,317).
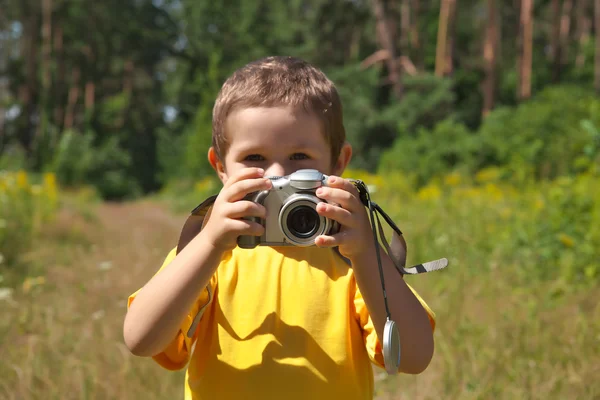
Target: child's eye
(299,156)
(254,157)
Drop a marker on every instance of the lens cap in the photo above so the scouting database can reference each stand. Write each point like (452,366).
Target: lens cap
(391,347)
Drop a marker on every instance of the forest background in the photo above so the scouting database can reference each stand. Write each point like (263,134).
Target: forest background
(477,123)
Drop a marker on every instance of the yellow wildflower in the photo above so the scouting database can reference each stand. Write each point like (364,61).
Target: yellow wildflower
(429,192)
(494,191)
(21,179)
(566,240)
(366,177)
(490,174)
(538,204)
(205,185)
(30,283)
(50,181)
(453,179)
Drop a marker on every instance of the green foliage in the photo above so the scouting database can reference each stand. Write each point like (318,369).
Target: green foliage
(13,159)
(545,133)
(372,124)
(433,153)
(77,162)
(554,134)
(116,66)
(542,231)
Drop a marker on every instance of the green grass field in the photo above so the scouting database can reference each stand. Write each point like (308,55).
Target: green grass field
(518,313)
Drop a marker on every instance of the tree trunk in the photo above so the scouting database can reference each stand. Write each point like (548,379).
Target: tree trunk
(387,41)
(46,44)
(597,60)
(560,36)
(449,63)
(405,27)
(489,57)
(415,38)
(90,55)
(584,28)
(59,83)
(565,30)
(525,50)
(27,92)
(445,38)
(44,103)
(72,99)
(442,38)
(555,32)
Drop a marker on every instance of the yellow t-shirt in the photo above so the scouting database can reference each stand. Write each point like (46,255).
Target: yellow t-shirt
(285,322)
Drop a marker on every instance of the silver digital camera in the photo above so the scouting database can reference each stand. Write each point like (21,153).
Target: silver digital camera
(292,218)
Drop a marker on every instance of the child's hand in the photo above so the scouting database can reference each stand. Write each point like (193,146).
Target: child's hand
(355,237)
(226,222)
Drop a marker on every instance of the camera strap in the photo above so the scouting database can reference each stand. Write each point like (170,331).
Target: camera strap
(195,222)
(396,249)
(397,253)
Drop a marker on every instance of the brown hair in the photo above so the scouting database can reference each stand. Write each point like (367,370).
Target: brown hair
(280,81)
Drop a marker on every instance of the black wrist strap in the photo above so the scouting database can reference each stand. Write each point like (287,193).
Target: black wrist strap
(396,249)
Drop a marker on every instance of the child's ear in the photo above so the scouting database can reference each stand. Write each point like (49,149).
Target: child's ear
(216,163)
(343,159)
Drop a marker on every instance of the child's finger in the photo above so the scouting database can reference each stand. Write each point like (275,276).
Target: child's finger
(244,227)
(326,241)
(242,175)
(336,239)
(241,189)
(339,196)
(339,214)
(342,183)
(244,208)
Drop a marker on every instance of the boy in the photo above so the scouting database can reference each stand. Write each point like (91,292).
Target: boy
(277,322)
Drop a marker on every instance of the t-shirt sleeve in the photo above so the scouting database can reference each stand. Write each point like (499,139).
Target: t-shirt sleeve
(176,355)
(372,343)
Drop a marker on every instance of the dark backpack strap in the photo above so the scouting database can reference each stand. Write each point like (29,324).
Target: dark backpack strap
(192,227)
(195,222)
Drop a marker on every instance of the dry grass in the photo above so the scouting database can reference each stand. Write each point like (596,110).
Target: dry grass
(61,338)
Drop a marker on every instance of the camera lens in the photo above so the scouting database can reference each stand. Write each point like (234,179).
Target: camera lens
(303,221)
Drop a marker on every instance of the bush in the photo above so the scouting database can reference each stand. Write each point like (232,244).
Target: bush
(432,153)
(373,120)
(24,207)
(542,231)
(550,133)
(555,134)
(78,161)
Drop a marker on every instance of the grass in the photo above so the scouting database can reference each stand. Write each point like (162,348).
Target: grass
(517,319)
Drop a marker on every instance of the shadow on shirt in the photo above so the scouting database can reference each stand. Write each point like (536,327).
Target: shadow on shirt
(293,366)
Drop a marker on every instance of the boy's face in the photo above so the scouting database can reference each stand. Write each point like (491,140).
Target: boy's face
(280,140)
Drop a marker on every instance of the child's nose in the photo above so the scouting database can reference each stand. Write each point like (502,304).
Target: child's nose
(275,169)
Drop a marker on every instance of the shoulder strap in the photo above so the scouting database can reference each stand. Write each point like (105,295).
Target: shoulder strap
(195,222)
(192,227)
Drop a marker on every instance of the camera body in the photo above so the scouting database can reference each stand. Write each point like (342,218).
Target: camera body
(292,218)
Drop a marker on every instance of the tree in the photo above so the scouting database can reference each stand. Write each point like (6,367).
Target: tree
(387,39)
(597,60)
(489,55)
(445,41)
(525,46)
